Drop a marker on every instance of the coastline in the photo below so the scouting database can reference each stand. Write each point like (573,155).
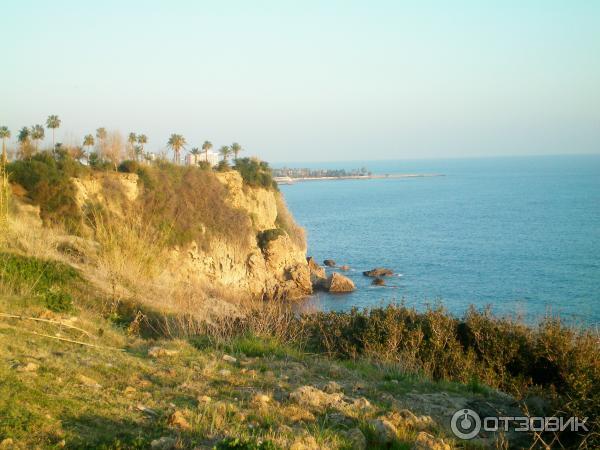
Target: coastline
(290,180)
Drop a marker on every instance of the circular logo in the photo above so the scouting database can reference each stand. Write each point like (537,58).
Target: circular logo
(465,424)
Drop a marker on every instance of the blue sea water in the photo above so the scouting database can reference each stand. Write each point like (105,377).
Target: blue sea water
(521,234)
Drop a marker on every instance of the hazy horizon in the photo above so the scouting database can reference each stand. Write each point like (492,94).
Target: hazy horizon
(340,81)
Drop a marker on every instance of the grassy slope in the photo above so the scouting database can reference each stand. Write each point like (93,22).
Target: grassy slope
(57,394)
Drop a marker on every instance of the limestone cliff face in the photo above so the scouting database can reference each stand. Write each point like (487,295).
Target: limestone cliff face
(279,270)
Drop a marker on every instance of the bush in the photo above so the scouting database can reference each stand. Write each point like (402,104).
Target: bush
(47,180)
(255,173)
(129,166)
(188,204)
(58,301)
(96,162)
(40,274)
(264,237)
(560,361)
(223,166)
(204,165)
(49,280)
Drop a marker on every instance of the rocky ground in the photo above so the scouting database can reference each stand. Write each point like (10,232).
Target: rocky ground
(129,392)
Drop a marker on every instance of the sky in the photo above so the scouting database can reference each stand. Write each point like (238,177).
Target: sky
(311,80)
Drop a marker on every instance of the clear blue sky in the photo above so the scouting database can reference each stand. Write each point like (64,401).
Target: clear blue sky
(311,80)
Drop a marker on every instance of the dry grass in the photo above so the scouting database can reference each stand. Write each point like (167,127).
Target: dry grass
(4,202)
(286,222)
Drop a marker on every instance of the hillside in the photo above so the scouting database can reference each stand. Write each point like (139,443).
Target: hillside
(148,308)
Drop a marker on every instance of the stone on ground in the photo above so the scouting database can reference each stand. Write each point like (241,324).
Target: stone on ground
(426,441)
(383,430)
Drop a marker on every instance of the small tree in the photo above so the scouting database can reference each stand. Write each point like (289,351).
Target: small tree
(225,151)
(101,136)
(114,147)
(24,139)
(4,135)
(206,147)
(88,141)
(36,134)
(176,143)
(53,122)
(195,151)
(236,149)
(131,140)
(142,139)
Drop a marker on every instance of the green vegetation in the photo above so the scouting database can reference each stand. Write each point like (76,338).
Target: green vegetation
(47,179)
(264,237)
(50,282)
(189,204)
(176,143)
(61,394)
(53,122)
(127,399)
(255,173)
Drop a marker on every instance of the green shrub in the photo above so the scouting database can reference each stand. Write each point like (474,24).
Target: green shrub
(204,165)
(40,274)
(51,281)
(47,180)
(255,173)
(223,166)
(96,162)
(58,301)
(559,361)
(129,166)
(264,237)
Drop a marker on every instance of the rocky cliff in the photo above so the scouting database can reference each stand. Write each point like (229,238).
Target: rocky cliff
(271,268)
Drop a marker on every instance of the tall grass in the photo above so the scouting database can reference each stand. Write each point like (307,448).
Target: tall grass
(4,199)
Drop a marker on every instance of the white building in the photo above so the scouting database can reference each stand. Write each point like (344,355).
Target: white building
(192,160)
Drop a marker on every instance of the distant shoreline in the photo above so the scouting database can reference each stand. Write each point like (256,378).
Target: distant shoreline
(290,180)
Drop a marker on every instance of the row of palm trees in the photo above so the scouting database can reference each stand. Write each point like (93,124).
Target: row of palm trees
(136,142)
(177,143)
(33,134)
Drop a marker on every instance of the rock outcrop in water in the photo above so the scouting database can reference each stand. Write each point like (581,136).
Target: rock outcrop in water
(378,272)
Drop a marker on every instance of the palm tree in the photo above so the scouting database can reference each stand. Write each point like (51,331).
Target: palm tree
(206,147)
(225,151)
(4,135)
(23,139)
(37,134)
(88,141)
(101,135)
(195,151)
(53,122)
(236,149)
(131,139)
(139,152)
(176,143)
(142,139)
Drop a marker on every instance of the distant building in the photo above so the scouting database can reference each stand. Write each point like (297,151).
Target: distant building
(150,156)
(211,157)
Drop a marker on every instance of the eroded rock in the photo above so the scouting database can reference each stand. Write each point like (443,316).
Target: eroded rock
(378,272)
(339,283)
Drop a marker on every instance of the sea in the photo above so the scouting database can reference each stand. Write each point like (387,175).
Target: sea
(520,235)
